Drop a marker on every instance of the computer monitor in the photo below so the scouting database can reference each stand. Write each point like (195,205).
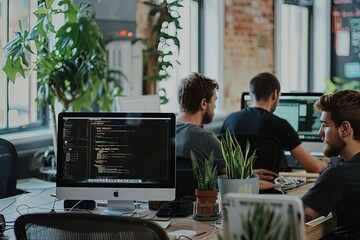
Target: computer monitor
(143,103)
(119,157)
(298,110)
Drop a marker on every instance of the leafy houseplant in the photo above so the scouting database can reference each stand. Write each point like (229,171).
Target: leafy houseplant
(206,206)
(157,55)
(206,179)
(263,224)
(239,167)
(70,60)
(337,84)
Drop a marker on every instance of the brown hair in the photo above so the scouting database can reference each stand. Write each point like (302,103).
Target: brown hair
(192,89)
(342,106)
(262,85)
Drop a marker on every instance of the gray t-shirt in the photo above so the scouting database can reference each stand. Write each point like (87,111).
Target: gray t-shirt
(200,141)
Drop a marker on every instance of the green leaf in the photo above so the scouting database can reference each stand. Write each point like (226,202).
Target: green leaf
(49,3)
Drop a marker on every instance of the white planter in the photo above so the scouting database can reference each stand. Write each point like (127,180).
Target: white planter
(248,185)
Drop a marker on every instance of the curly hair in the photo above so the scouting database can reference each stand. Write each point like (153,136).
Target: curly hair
(192,89)
(342,106)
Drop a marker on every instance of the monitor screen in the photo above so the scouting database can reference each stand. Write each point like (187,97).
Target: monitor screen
(116,156)
(298,110)
(143,103)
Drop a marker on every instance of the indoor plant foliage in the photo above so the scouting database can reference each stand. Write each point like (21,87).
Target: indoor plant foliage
(157,54)
(238,164)
(261,223)
(205,207)
(70,61)
(207,179)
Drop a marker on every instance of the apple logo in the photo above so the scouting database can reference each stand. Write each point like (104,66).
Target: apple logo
(116,193)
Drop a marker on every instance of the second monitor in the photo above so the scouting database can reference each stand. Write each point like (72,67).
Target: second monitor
(298,110)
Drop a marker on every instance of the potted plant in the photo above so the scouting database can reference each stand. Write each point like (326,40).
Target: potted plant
(68,56)
(206,206)
(239,167)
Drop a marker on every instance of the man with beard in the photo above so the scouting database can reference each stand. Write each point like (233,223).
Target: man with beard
(259,119)
(197,95)
(337,190)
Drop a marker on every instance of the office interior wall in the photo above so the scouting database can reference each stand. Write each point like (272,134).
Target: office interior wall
(248,46)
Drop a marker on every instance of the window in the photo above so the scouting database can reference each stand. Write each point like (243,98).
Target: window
(188,55)
(292,46)
(18,108)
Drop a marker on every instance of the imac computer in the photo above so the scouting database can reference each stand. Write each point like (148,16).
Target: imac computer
(119,157)
(143,103)
(298,110)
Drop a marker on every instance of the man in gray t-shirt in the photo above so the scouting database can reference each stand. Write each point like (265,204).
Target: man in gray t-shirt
(197,95)
(201,141)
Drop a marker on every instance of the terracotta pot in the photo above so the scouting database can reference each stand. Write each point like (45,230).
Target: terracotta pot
(206,203)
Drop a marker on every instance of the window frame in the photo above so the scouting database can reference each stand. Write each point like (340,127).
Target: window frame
(42,121)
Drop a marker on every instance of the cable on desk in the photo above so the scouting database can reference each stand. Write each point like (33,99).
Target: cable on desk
(213,232)
(36,194)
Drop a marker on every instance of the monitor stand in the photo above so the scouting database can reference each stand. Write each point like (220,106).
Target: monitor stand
(120,208)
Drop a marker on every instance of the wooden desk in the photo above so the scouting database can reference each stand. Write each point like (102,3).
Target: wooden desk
(43,201)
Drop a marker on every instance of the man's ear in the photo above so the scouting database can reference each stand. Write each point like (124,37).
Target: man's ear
(345,128)
(275,94)
(203,104)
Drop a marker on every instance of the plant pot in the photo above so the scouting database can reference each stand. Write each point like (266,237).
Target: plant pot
(248,185)
(206,206)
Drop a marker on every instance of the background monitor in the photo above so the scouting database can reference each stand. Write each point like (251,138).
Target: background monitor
(143,103)
(116,156)
(298,110)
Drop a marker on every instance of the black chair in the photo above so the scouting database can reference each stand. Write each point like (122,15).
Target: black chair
(269,151)
(185,181)
(8,163)
(85,226)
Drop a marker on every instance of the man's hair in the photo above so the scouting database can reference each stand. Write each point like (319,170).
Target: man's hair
(262,85)
(192,89)
(342,106)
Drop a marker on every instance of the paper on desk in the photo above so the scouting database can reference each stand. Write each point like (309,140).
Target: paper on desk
(302,176)
(34,184)
(318,220)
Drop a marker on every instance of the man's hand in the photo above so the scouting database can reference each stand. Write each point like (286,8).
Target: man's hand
(266,174)
(264,185)
(310,214)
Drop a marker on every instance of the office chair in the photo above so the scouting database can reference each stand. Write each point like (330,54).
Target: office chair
(85,226)
(8,163)
(185,181)
(269,151)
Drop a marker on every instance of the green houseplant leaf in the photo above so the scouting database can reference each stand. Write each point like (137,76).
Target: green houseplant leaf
(238,164)
(68,67)
(70,60)
(206,178)
(157,58)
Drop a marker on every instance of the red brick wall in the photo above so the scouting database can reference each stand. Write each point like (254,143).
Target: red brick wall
(248,46)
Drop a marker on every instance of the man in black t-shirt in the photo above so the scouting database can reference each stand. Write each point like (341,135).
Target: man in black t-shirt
(259,119)
(337,190)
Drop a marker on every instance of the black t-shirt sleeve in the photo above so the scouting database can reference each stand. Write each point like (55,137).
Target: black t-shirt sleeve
(327,191)
(285,132)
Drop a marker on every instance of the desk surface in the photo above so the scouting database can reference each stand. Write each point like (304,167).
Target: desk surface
(42,200)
